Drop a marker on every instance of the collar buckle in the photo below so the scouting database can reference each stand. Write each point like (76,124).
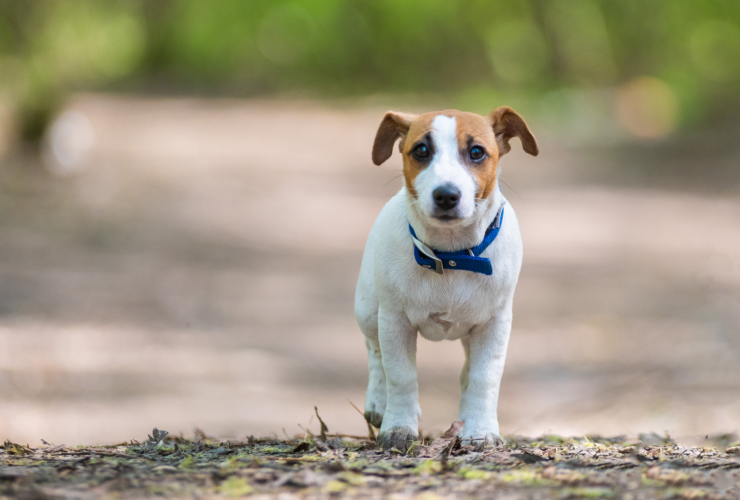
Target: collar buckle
(439,269)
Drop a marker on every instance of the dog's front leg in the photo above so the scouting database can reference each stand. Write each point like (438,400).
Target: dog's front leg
(479,402)
(398,348)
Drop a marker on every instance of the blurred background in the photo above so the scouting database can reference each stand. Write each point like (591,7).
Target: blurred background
(186,189)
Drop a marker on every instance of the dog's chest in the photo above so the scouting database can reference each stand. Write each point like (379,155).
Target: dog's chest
(449,314)
(443,326)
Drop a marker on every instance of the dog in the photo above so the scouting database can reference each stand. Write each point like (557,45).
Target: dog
(442,259)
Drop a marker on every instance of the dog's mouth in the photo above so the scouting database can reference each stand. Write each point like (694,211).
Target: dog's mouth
(446,218)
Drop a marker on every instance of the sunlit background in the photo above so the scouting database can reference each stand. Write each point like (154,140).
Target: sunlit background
(186,189)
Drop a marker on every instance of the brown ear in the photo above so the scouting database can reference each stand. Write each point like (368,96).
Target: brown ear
(507,124)
(393,126)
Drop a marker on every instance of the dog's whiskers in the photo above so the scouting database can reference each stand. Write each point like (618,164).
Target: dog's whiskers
(393,179)
(512,189)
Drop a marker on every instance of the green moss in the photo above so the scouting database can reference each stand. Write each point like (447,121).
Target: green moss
(235,487)
(428,467)
(335,486)
(468,473)
(352,478)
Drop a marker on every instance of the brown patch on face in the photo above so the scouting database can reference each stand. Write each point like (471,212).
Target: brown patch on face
(491,133)
(474,131)
(420,132)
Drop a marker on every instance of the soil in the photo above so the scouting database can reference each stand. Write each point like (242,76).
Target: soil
(328,466)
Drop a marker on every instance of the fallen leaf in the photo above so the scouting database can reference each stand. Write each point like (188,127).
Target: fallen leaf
(304,446)
(324,428)
(439,444)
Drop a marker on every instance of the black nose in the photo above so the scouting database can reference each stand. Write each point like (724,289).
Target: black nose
(447,196)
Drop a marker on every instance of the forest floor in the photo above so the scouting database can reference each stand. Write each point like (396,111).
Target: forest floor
(650,466)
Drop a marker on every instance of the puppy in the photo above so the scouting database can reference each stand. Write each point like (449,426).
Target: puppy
(442,259)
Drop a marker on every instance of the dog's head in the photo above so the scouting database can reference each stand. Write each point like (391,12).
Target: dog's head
(450,158)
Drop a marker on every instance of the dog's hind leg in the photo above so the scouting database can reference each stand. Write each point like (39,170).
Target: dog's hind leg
(464,377)
(376,390)
(366,312)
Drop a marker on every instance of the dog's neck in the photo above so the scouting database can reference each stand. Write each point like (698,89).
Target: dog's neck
(458,237)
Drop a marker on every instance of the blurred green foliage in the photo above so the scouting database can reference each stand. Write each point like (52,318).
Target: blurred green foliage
(49,48)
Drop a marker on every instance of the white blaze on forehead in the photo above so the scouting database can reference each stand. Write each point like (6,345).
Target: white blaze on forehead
(446,167)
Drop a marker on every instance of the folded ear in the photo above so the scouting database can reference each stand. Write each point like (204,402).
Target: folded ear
(506,124)
(393,126)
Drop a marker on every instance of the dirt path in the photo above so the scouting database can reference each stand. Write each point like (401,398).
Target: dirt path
(201,269)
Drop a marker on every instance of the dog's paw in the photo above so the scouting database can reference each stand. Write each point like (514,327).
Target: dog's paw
(482,435)
(375,405)
(399,438)
(484,441)
(374,418)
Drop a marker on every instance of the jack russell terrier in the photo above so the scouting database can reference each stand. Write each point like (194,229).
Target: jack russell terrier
(442,259)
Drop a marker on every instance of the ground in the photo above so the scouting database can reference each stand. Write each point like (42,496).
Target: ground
(324,466)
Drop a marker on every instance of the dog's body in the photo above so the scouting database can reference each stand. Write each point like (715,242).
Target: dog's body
(450,199)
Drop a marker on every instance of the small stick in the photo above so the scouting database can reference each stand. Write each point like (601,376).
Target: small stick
(370,431)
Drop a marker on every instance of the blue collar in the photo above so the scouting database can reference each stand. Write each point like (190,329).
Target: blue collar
(463,260)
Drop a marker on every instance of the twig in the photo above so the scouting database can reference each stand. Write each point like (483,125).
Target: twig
(306,431)
(92,452)
(370,431)
(324,428)
(351,436)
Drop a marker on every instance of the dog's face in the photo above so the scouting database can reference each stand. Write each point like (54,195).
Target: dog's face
(450,158)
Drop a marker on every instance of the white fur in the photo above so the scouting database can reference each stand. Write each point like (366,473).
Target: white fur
(396,298)
(444,168)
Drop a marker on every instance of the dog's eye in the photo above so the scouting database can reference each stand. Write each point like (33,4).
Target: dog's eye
(476,153)
(421,151)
